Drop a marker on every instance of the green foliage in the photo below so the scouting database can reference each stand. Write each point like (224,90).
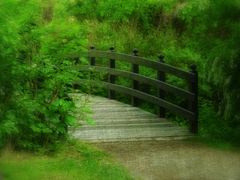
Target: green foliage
(38,111)
(211,125)
(142,13)
(8,49)
(219,22)
(225,55)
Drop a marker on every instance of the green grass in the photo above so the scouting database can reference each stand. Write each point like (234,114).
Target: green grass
(71,161)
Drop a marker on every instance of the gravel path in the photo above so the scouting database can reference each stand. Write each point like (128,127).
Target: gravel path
(175,160)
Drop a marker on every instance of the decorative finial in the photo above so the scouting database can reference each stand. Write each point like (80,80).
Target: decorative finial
(161,58)
(135,52)
(112,48)
(193,68)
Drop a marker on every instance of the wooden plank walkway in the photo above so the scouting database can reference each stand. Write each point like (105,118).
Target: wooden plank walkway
(116,121)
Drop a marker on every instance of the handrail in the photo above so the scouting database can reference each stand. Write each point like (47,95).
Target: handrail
(141,78)
(143,61)
(162,69)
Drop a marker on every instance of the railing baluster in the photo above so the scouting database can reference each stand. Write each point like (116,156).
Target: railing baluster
(111,78)
(161,94)
(91,74)
(193,105)
(135,84)
(92,59)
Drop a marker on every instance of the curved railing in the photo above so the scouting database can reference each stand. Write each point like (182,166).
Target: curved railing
(162,69)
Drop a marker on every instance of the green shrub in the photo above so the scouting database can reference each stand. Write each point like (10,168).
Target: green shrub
(39,110)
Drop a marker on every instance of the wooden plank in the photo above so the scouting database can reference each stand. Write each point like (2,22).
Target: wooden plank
(132,125)
(143,79)
(129,133)
(143,61)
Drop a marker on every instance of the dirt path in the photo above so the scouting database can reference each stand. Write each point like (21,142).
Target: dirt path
(175,160)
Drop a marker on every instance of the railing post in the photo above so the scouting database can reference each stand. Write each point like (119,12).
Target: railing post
(111,78)
(161,76)
(92,59)
(135,84)
(92,63)
(193,105)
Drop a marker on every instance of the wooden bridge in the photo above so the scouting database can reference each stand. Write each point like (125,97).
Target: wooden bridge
(116,121)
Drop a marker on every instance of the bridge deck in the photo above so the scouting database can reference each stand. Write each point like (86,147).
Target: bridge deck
(116,121)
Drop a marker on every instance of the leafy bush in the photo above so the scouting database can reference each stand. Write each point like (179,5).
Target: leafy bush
(39,111)
(8,49)
(219,22)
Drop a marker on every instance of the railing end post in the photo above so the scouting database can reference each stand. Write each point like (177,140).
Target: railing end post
(194,127)
(161,76)
(194,103)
